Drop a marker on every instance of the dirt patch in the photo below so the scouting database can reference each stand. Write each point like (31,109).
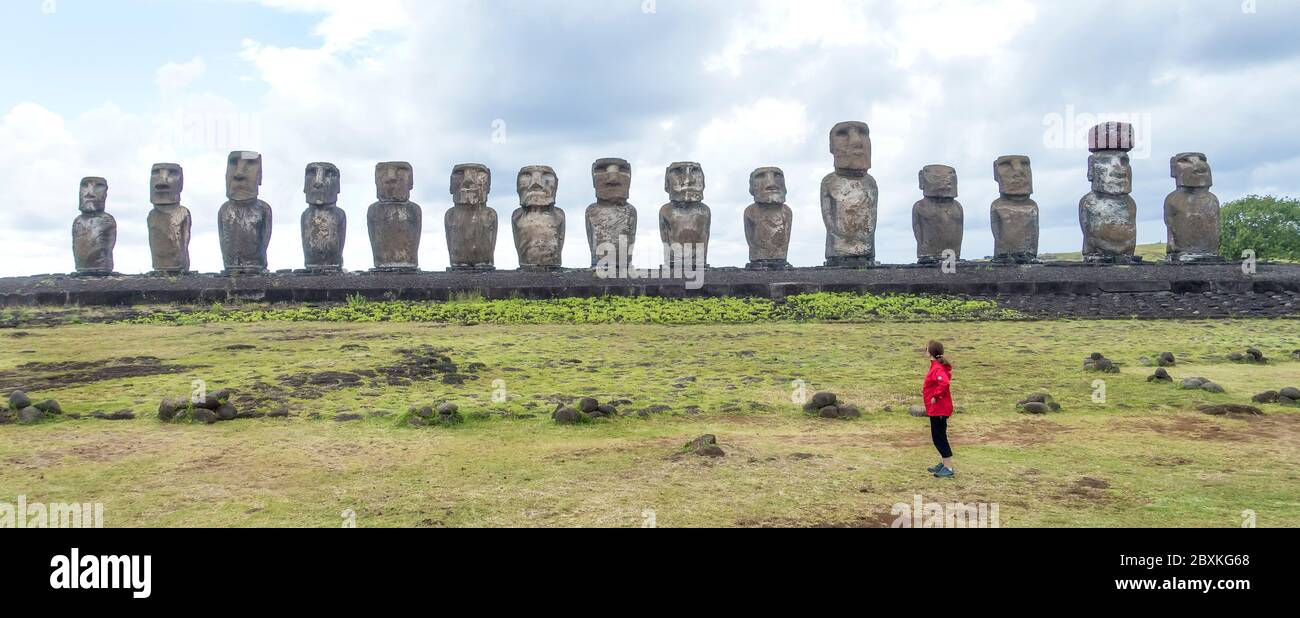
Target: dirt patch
(37,377)
(427,363)
(1196,428)
(880,520)
(1089,489)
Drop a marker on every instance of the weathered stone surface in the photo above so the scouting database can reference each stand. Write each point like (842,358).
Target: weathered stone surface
(938,220)
(567,416)
(395,222)
(611,221)
(850,198)
(539,226)
(324,224)
(705,446)
(1161,375)
(1014,217)
(30,415)
(768,221)
(685,221)
(19,400)
(1191,211)
(1290,392)
(244,222)
(1231,410)
(470,225)
(169,222)
(94,232)
(1108,215)
(1166,359)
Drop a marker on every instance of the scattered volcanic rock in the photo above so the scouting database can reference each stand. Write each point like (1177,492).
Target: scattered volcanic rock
(567,416)
(1231,410)
(1267,397)
(1161,375)
(1166,359)
(19,400)
(30,415)
(1038,403)
(1211,387)
(705,446)
(1099,364)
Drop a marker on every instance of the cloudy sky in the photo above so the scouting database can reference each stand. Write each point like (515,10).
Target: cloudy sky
(109,87)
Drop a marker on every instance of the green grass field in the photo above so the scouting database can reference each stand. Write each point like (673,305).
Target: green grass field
(1145,457)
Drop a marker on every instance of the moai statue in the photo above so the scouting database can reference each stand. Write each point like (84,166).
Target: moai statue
(169,222)
(94,232)
(244,222)
(849,199)
(395,222)
(768,221)
(611,221)
(937,219)
(684,222)
(1192,212)
(324,224)
(1108,215)
(471,226)
(538,224)
(1015,216)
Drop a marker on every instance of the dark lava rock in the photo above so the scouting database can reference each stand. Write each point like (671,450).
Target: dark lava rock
(608,411)
(588,405)
(1161,375)
(1211,387)
(1267,397)
(1231,410)
(567,416)
(279,413)
(1255,354)
(448,409)
(121,415)
(347,418)
(7,417)
(1035,407)
(204,415)
(416,421)
(167,410)
(850,411)
(1192,384)
(19,400)
(1295,355)
(425,412)
(705,446)
(1289,402)
(453,379)
(657,409)
(1290,392)
(1236,357)
(822,400)
(1166,359)
(30,415)
(49,406)
(227,412)
(830,412)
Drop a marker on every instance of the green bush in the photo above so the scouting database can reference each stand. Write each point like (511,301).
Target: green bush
(1268,225)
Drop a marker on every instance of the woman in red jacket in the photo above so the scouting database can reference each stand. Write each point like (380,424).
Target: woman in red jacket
(938,406)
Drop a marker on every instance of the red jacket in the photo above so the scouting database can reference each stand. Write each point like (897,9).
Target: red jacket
(937,393)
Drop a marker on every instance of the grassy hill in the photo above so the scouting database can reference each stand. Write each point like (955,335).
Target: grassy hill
(1149,253)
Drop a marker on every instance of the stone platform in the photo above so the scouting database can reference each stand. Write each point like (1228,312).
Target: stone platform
(970,279)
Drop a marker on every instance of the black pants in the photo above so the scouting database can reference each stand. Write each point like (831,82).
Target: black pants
(939,432)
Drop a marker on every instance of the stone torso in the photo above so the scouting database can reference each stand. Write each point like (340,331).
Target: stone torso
(1192,217)
(93,238)
(1015,227)
(169,238)
(539,236)
(938,226)
(607,223)
(686,224)
(324,231)
(395,229)
(849,206)
(1109,224)
(245,231)
(767,228)
(471,235)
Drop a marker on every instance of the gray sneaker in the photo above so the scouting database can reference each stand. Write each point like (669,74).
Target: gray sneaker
(945,473)
(935,469)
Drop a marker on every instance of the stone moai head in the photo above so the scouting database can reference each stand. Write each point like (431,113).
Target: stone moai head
(851,145)
(767,185)
(394,181)
(1191,170)
(321,182)
(538,186)
(1014,175)
(166,182)
(93,195)
(243,176)
(470,184)
(612,179)
(939,181)
(684,182)
(1110,172)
